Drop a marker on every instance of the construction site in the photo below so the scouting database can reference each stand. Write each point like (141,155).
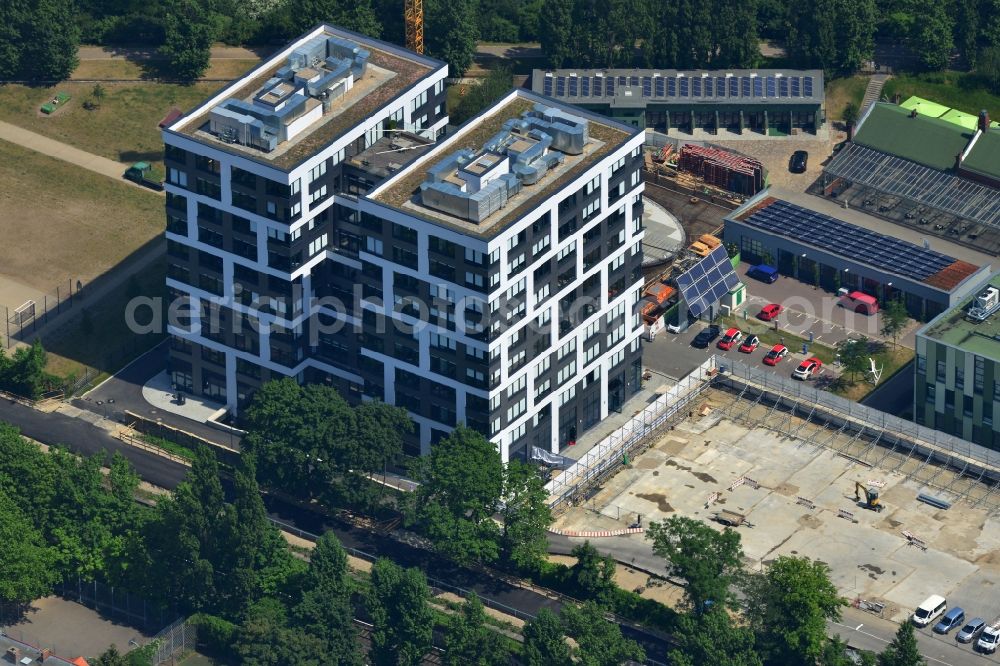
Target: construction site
(898,511)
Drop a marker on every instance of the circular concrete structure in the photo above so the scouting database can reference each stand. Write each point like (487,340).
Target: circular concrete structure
(664,235)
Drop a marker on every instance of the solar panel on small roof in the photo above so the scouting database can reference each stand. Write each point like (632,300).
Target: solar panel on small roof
(609,86)
(647,86)
(709,92)
(734,86)
(696,87)
(547,85)
(684,85)
(720,86)
(758,87)
(707,281)
(572,86)
(672,87)
(660,86)
(783,87)
(796,86)
(585,86)
(633,81)
(560,86)
(807,86)
(745,86)
(770,87)
(622,81)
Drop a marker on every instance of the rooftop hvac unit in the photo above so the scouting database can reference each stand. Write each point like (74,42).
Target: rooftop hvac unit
(986,303)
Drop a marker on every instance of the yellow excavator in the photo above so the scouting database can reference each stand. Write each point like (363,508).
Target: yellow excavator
(872,502)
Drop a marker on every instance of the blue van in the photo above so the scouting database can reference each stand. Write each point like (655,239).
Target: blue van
(764,273)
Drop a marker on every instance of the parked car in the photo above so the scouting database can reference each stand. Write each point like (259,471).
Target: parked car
(932,606)
(971,630)
(953,618)
(750,344)
(988,640)
(763,272)
(807,368)
(799,161)
(769,312)
(705,338)
(731,337)
(777,353)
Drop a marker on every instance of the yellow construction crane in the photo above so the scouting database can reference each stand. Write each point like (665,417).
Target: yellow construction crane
(872,501)
(413,17)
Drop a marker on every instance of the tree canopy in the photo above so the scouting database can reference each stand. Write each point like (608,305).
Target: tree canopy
(470,642)
(903,650)
(709,561)
(402,619)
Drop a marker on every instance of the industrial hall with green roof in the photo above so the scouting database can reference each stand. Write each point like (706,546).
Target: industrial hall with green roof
(922,165)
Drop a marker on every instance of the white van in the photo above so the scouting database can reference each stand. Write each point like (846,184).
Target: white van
(928,611)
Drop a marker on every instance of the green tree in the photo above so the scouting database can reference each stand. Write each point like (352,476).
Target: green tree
(555,30)
(111,657)
(850,115)
(402,618)
(788,607)
(601,642)
(376,445)
(713,639)
(903,650)
(357,15)
(894,318)
(526,516)
(265,639)
(325,609)
(451,33)
(27,566)
(709,561)
(461,482)
(544,642)
(592,574)
(735,34)
(38,39)
(988,67)
(932,38)
(836,653)
(856,22)
(24,372)
(478,96)
(188,37)
(299,436)
(470,642)
(812,34)
(853,354)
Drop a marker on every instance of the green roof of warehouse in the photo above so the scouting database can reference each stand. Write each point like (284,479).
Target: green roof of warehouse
(925,107)
(928,141)
(985,155)
(962,119)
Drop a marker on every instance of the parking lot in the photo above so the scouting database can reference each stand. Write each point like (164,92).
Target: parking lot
(796,508)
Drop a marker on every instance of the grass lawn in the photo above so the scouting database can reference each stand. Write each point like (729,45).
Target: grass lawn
(957,90)
(70,224)
(123,129)
(120,68)
(841,91)
(106,343)
(892,361)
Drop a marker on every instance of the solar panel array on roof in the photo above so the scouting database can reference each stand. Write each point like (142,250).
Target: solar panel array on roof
(700,85)
(847,240)
(560,86)
(708,86)
(684,86)
(707,281)
(547,85)
(609,86)
(758,87)
(572,86)
(807,86)
(585,86)
(783,87)
(796,86)
(647,86)
(900,177)
(696,87)
(660,86)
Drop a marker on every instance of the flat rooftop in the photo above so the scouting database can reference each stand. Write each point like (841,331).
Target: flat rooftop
(389,71)
(831,234)
(932,142)
(984,157)
(954,328)
(391,153)
(403,191)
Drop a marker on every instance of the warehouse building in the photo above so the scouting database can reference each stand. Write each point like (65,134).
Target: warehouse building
(832,253)
(765,101)
(957,377)
(317,231)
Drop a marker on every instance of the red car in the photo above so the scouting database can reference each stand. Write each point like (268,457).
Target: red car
(769,312)
(808,368)
(731,337)
(750,344)
(777,353)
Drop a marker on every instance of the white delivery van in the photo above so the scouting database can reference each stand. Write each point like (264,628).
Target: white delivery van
(928,611)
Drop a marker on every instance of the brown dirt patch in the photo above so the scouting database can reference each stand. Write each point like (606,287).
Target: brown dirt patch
(659,500)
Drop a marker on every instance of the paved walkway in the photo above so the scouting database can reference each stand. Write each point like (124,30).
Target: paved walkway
(65,152)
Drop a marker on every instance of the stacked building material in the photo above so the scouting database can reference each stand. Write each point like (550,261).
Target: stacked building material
(728,171)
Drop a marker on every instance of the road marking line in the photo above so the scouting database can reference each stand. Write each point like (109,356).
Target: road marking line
(858,628)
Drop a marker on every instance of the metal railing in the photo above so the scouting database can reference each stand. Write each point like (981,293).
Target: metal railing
(608,455)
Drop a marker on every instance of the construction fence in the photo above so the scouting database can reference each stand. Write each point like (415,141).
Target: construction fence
(955,467)
(174,641)
(25,319)
(642,430)
(115,603)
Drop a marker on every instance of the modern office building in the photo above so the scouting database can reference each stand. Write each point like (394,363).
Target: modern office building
(957,378)
(489,282)
(839,249)
(523,230)
(764,101)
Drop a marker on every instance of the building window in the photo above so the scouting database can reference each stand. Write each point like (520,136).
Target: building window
(922,365)
(941,371)
(931,392)
(373,245)
(977,381)
(959,379)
